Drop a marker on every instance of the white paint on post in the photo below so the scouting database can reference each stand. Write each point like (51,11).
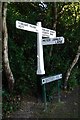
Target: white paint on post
(40,60)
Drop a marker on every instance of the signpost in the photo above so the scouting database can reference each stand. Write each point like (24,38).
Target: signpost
(41,32)
(49,39)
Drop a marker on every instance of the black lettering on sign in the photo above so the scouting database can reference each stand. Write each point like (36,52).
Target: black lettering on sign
(59,41)
(55,39)
(21,23)
(45,30)
(57,77)
(25,24)
(43,40)
(21,26)
(46,40)
(32,26)
(52,32)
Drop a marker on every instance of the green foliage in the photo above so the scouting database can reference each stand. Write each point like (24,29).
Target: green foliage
(11,102)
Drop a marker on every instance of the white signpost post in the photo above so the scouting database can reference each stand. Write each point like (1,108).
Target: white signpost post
(44,37)
(40,61)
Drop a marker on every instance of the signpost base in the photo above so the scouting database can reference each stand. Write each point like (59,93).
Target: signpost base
(39,87)
(47,80)
(44,97)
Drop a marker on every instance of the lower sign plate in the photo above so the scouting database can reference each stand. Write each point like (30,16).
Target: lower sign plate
(52,78)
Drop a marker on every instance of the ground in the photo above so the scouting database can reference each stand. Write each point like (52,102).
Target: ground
(68,107)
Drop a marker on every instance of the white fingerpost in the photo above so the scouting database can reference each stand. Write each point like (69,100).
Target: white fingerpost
(40,60)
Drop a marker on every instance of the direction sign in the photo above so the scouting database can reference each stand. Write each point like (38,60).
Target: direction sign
(26,26)
(50,41)
(48,33)
(52,78)
(34,28)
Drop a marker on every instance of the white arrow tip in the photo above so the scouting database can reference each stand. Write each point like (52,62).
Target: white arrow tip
(62,38)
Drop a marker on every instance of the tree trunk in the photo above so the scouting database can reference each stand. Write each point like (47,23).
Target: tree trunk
(54,22)
(0,61)
(6,65)
(71,67)
(0,36)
